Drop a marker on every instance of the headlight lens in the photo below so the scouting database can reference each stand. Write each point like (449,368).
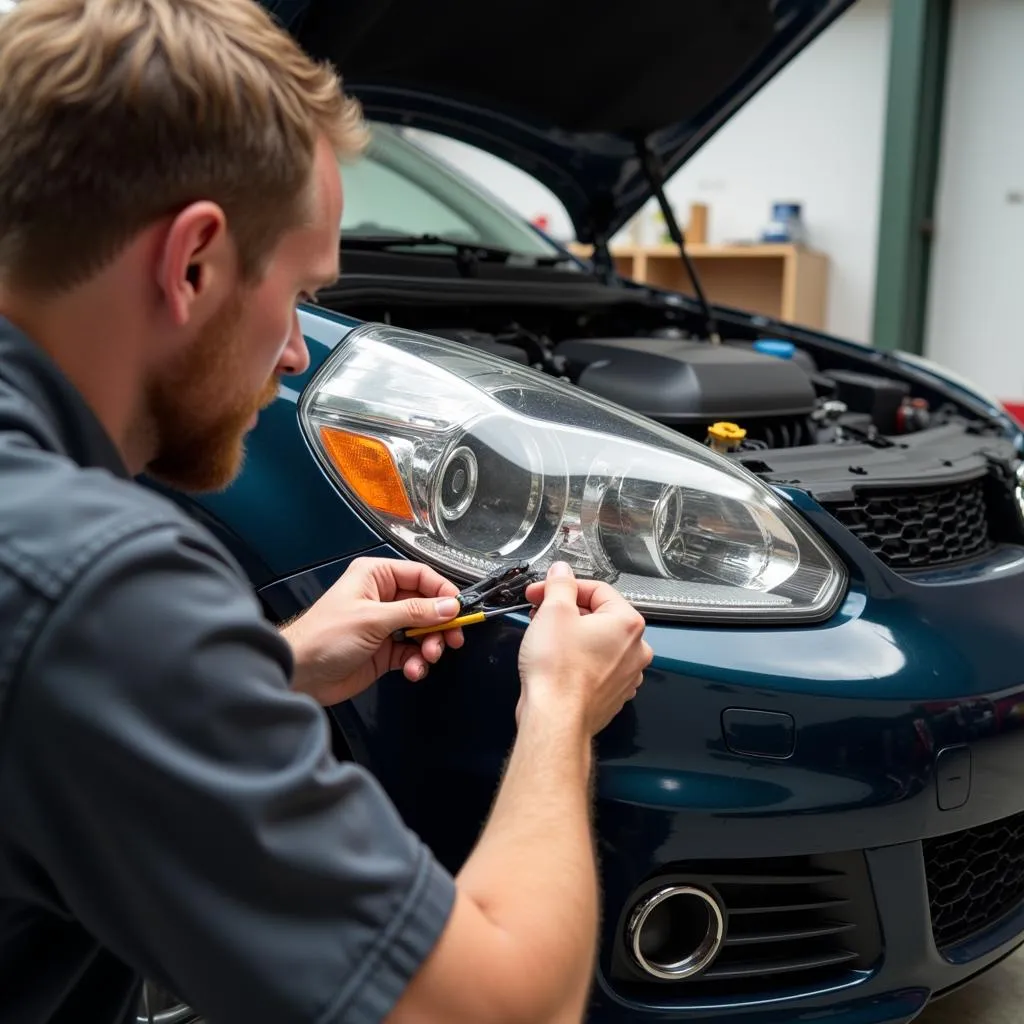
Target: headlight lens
(470,462)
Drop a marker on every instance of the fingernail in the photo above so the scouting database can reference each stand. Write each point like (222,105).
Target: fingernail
(448,607)
(559,569)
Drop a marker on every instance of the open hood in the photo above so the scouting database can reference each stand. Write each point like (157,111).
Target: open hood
(564,89)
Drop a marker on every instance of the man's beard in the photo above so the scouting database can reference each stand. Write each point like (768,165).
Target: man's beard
(200,423)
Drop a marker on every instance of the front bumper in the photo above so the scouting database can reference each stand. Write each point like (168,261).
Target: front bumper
(903,673)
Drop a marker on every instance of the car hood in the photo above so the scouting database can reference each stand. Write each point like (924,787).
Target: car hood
(565,90)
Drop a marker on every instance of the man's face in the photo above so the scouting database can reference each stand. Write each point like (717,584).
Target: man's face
(205,405)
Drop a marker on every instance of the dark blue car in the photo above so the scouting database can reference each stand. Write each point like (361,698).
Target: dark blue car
(812,810)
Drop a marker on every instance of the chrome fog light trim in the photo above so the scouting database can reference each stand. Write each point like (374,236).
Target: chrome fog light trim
(676,932)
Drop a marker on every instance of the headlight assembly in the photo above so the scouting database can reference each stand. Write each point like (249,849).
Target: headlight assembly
(467,461)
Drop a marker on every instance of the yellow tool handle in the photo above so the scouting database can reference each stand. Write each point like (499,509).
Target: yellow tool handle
(462,620)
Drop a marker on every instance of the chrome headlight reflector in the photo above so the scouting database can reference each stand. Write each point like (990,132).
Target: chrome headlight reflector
(467,461)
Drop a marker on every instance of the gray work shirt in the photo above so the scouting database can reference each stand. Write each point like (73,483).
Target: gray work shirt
(168,806)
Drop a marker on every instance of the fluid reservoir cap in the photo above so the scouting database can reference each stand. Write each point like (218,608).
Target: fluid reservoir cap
(726,432)
(775,347)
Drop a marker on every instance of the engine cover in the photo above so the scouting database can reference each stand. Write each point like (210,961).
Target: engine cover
(689,382)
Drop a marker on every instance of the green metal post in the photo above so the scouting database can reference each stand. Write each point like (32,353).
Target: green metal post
(913,130)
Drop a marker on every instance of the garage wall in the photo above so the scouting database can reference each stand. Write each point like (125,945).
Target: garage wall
(977,274)
(814,133)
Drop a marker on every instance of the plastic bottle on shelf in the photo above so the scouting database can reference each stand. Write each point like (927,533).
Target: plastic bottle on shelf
(786,224)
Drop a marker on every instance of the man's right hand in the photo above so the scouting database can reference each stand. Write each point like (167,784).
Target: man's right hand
(584,653)
(521,941)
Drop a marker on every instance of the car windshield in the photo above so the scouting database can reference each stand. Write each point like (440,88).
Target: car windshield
(398,188)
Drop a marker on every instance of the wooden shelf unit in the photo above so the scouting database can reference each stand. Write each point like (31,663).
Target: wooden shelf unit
(787,282)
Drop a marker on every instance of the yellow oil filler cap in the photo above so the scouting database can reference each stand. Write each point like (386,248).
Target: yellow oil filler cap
(725,437)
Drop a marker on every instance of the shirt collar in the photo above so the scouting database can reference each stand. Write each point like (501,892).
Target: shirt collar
(76,431)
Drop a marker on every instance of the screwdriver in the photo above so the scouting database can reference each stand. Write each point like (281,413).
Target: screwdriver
(401,635)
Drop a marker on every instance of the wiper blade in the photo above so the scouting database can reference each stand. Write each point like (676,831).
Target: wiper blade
(379,242)
(463,250)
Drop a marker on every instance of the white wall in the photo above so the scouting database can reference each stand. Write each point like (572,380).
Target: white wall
(977,283)
(814,134)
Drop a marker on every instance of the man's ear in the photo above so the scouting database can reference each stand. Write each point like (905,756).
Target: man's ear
(197,266)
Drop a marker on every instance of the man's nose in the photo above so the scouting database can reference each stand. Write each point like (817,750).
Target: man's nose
(295,357)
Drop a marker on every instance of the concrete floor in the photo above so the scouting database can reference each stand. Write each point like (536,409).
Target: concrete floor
(994,998)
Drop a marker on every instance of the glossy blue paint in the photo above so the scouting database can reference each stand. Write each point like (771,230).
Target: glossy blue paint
(954,769)
(759,733)
(899,1007)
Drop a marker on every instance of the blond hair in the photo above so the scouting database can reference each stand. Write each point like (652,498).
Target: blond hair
(115,113)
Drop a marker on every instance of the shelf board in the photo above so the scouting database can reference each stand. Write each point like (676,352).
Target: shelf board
(787,282)
(700,250)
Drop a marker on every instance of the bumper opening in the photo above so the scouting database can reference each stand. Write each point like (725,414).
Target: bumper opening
(975,879)
(790,925)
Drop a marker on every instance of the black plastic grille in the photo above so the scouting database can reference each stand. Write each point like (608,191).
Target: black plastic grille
(975,878)
(920,527)
(793,924)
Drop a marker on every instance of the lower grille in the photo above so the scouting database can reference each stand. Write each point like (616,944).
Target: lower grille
(792,924)
(920,527)
(975,878)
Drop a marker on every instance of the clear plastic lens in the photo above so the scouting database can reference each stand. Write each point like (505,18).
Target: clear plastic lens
(499,463)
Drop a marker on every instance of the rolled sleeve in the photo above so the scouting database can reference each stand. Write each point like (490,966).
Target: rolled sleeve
(186,805)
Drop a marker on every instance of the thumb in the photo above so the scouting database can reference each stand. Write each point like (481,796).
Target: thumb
(416,611)
(560,587)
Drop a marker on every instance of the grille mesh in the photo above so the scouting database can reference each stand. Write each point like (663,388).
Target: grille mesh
(920,528)
(975,878)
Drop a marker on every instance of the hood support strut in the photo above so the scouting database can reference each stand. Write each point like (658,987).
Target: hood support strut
(656,177)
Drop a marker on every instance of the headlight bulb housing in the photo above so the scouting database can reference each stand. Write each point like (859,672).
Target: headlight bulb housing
(470,462)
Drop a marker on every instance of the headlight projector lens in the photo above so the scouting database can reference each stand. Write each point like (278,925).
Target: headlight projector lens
(458,483)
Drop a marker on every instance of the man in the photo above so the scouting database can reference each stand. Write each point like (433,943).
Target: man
(169,806)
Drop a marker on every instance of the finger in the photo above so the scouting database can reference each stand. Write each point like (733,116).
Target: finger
(603,598)
(414,668)
(432,648)
(414,611)
(408,595)
(454,638)
(415,579)
(589,593)
(560,586)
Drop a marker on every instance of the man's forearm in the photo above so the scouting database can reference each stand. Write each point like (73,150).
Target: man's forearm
(533,871)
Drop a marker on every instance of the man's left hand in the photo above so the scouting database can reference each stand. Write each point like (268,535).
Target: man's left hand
(343,644)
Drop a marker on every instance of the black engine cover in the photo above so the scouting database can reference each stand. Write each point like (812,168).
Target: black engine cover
(688,382)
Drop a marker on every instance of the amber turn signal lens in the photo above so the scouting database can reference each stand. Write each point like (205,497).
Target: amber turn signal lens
(369,469)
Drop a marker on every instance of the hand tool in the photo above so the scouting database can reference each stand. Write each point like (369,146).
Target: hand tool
(501,593)
(462,620)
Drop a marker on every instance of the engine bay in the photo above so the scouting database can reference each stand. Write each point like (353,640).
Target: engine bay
(921,473)
(802,409)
